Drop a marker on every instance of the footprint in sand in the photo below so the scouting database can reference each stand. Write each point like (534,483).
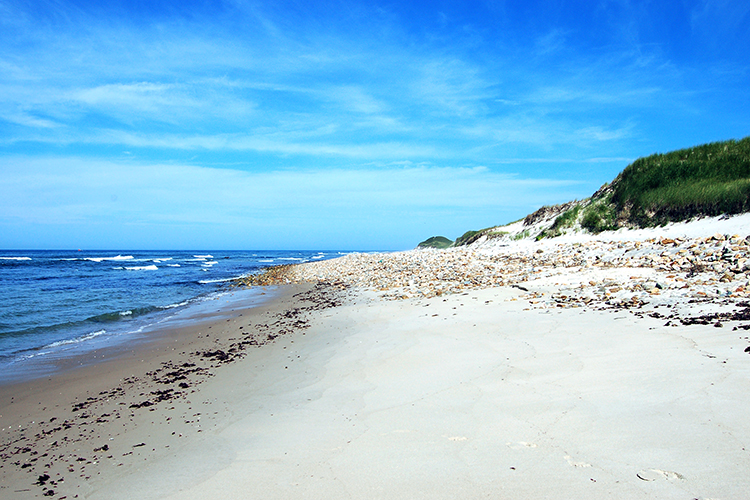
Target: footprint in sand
(654,474)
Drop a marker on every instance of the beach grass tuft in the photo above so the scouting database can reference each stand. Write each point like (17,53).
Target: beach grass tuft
(563,221)
(599,216)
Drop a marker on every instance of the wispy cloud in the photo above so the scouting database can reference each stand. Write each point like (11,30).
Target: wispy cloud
(21,118)
(159,102)
(205,81)
(550,43)
(270,144)
(721,23)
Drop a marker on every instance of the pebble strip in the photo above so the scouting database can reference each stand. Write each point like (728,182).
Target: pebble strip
(575,274)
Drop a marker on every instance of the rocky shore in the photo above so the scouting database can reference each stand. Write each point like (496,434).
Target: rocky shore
(674,273)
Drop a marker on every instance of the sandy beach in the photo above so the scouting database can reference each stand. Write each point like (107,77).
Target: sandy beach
(588,368)
(108,412)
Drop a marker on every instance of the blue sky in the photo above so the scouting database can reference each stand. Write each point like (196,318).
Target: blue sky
(342,125)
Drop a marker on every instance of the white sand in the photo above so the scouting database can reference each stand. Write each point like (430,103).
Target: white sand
(469,396)
(696,228)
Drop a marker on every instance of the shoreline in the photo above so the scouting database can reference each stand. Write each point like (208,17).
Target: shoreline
(97,410)
(59,302)
(54,360)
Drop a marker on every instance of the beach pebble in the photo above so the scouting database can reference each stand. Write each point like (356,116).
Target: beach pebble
(679,269)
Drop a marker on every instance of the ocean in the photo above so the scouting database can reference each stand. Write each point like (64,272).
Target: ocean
(57,303)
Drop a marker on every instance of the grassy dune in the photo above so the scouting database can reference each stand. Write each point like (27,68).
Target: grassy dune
(436,242)
(706,180)
(711,179)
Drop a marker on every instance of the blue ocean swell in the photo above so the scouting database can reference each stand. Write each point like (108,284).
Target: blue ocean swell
(50,299)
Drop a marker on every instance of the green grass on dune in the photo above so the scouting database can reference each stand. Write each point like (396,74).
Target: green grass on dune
(436,242)
(599,216)
(711,179)
(470,237)
(710,197)
(565,220)
(467,237)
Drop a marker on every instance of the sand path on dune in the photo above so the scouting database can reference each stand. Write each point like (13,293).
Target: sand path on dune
(469,396)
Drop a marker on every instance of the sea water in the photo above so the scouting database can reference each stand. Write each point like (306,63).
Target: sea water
(53,302)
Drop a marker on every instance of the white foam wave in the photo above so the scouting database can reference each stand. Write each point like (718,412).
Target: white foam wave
(265,260)
(142,268)
(162,259)
(173,265)
(126,313)
(203,256)
(172,306)
(15,258)
(115,258)
(29,356)
(78,339)
(205,282)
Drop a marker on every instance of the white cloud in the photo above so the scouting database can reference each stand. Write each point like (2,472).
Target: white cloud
(550,43)
(141,95)
(314,92)
(593,92)
(160,102)
(602,134)
(450,86)
(357,99)
(22,118)
(270,142)
(549,134)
